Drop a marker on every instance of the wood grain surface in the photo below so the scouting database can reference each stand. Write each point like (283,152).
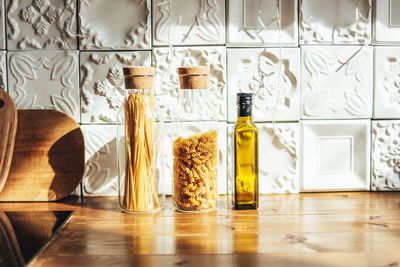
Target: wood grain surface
(330,229)
(49,157)
(8,129)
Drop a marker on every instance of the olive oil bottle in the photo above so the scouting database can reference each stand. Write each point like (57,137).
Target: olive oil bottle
(245,156)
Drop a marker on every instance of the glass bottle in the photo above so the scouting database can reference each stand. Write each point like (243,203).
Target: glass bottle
(138,144)
(246,194)
(195,145)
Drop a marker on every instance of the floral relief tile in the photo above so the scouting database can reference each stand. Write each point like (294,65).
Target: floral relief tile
(3,71)
(167,61)
(45,80)
(387,83)
(335,155)
(39,24)
(101,173)
(126,27)
(247,28)
(188,22)
(102,83)
(275,83)
(385,169)
(336,22)
(278,152)
(386,30)
(169,134)
(336,82)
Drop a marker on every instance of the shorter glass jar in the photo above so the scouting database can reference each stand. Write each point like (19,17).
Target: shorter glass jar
(195,149)
(138,144)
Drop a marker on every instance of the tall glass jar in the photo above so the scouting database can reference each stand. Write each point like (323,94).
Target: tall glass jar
(195,147)
(138,144)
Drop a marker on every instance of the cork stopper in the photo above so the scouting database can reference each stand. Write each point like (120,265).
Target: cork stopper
(139,77)
(194,77)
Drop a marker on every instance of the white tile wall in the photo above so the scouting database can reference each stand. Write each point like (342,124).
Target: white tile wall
(279,157)
(2,28)
(385,31)
(45,80)
(102,83)
(101,174)
(3,71)
(335,155)
(385,156)
(336,82)
(246,29)
(277,84)
(117,24)
(67,55)
(387,83)
(166,62)
(335,22)
(188,22)
(38,24)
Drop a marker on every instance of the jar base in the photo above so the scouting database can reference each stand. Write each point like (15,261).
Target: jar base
(141,212)
(195,211)
(252,206)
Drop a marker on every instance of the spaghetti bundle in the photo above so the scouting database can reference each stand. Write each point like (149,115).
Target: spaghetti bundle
(140,192)
(195,171)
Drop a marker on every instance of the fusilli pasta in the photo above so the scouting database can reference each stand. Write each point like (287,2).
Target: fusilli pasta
(195,171)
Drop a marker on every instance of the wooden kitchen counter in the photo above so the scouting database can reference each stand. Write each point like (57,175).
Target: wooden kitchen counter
(335,229)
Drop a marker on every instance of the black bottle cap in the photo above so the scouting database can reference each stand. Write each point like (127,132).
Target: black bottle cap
(244,103)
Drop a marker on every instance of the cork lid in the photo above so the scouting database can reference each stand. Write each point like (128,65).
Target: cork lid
(139,77)
(139,71)
(194,77)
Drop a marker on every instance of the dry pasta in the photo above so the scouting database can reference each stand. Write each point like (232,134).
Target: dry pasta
(140,193)
(195,171)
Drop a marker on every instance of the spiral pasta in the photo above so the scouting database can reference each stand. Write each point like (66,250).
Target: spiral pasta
(195,171)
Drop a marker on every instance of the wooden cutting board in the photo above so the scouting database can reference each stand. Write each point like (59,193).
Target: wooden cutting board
(8,128)
(49,157)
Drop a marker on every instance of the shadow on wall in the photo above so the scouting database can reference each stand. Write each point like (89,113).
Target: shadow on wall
(67,163)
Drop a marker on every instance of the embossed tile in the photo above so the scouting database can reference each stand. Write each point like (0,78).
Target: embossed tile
(386,24)
(167,61)
(276,86)
(188,22)
(101,173)
(2,28)
(117,24)
(278,152)
(3,71)
(336,82)
(45,80)
(385,168)
(338,22)
(169,134)
(335,155)
(102,83)
(37,24)
(387,83)
(247,28)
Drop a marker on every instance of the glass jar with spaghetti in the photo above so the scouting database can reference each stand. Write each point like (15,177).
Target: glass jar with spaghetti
(195,144)
(138,144)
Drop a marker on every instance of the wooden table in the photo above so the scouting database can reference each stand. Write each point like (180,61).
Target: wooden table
(335,229)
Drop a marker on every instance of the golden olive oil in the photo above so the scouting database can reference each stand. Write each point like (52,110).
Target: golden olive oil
(246,156)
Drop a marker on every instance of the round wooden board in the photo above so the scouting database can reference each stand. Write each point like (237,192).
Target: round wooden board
(49,157)
(8,128)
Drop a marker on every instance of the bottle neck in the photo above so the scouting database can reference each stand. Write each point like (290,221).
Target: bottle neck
(244,119)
